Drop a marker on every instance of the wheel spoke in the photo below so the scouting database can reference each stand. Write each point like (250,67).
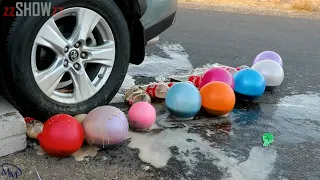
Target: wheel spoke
(49,79)
(86,22)
(51,37)
(83,87)
(103,54)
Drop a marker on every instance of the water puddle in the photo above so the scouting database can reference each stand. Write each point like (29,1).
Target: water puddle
(153,65)
(84,152)
(209,132)
(247,116)
(296,118)
(302,106)
(259,164)
(156,150)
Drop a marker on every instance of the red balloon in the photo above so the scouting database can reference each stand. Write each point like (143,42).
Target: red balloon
(62,135)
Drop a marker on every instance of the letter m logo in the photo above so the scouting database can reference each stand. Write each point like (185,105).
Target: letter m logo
(13,172)
(9,174)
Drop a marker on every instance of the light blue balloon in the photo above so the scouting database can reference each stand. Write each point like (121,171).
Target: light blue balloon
(183,100)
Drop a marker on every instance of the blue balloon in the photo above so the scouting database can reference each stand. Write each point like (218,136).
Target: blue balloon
(183,100)
(249,84)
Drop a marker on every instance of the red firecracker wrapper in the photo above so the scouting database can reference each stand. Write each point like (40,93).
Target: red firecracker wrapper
(170,84)
(195,79)
(151,90)
(28,119)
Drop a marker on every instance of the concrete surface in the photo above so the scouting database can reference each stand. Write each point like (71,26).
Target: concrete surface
(12,129)
(205,148)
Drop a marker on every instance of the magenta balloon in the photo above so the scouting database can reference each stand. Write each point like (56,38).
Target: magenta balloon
(105,125)
(217,74)
(268,55)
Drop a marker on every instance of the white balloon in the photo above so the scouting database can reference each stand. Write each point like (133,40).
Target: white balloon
(271,71)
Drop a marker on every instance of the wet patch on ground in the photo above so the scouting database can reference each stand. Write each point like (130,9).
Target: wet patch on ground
(205,147)
(231,147)
(176,60)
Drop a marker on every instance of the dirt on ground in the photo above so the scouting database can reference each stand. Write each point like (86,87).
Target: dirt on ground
(289,8)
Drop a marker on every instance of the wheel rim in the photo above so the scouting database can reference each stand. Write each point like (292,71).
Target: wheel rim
(71,55)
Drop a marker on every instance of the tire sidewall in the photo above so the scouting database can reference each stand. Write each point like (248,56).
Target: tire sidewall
(21,49)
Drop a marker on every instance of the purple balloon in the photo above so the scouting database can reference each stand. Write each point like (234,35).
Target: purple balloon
(105,125)
(268,55)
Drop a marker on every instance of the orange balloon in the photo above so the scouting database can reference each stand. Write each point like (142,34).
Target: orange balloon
(218,98)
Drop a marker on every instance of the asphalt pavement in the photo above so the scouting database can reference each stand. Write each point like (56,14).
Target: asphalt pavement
(205,148)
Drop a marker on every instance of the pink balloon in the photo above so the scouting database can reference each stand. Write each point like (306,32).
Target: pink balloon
(142,115)
(217,74)
(105,125)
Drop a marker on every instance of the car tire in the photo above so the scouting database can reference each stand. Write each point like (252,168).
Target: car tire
(18,82)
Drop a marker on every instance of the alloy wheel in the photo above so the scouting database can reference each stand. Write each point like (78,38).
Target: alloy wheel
(71,64)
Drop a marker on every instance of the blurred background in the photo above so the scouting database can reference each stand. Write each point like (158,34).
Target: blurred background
(287,5)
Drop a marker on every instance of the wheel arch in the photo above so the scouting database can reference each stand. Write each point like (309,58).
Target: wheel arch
(132,14)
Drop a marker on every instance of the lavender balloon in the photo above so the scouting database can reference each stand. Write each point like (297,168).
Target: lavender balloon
(105,125)
(268,55)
